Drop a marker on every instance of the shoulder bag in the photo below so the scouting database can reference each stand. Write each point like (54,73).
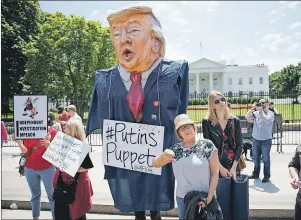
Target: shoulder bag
(241,162)
(65,192)
(23,159)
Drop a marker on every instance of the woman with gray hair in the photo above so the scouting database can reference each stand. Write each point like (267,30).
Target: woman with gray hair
(195,164)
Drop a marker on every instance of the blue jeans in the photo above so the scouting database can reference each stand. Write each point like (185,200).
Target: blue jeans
(180,203)
(262,147)
(34,178)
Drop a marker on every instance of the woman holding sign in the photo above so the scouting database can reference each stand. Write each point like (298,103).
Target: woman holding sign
(83,189)
(195,165)
(37,169)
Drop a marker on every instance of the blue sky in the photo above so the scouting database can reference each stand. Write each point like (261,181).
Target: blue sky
(246,32)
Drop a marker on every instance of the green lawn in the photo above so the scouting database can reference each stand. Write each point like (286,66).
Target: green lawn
(288,111)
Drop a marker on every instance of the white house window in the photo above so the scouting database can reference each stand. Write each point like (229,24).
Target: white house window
(260,80)
(214,82)
(240,81)
(250,80)
(229,81)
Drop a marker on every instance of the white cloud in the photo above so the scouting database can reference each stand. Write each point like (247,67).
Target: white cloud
(295,25)
(273,20)
(95,12)
(293,47)
(272,12)
(248,49)
(297,35)
(276,38)
(290,4)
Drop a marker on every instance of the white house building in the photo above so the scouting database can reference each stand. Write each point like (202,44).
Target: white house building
(206,75)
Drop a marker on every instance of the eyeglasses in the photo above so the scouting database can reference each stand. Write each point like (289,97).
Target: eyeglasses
(183,127)
(217,101)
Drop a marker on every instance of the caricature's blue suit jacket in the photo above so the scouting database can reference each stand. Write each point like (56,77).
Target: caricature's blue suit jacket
(132,190)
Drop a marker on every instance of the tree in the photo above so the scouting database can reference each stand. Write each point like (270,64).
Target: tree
(19,24)
(63,59)
(287,81)
(274,80)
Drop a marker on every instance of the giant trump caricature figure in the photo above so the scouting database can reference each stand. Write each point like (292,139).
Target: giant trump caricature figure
(143,88)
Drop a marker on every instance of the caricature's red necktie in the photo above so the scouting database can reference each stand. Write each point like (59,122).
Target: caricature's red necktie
(135,96)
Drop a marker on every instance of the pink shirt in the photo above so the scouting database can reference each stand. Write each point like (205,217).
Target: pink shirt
(3,131)
(83,195)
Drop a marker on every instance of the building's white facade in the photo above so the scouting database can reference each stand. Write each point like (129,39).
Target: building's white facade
(206,75)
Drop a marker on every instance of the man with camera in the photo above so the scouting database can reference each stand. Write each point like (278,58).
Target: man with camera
(294,170)
(262,119)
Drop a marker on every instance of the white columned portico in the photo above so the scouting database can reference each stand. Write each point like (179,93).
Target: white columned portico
(197,82)
(210,82)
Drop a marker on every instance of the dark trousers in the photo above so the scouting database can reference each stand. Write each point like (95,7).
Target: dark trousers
(61,212)
(155,215)
(297,211)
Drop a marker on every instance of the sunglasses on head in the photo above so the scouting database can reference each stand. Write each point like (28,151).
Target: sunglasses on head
(217,101)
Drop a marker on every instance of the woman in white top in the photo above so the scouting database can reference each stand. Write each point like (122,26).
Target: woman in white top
(195,162)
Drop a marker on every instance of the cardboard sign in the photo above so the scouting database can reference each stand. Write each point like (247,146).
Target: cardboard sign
(67,153)
(132,146)
(30,116)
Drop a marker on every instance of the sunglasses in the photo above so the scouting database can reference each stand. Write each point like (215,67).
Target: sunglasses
(183,127)
(217,101)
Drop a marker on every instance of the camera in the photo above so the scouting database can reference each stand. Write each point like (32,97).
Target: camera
(258,104)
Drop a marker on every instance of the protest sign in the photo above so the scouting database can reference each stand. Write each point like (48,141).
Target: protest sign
(30,116)
(67,153)
(132,146)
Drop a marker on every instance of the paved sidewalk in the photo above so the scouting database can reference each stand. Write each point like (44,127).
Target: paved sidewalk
(273,199)
(8,214)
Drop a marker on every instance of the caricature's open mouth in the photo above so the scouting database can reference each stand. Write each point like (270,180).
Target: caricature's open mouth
(127,54)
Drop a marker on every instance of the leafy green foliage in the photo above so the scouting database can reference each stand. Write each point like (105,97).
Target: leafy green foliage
(64,57)
(19,24)
(287,81)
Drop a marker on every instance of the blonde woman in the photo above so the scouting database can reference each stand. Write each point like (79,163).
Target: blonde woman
(84,191)
(224,131)
(195,166)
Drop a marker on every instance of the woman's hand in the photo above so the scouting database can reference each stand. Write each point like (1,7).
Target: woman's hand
(294,183)
(203,205)
(168,156)
(45,142)
(224,172)
(233,172)
(19,142)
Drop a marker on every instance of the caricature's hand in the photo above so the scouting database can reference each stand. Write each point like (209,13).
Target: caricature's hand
(294,183)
